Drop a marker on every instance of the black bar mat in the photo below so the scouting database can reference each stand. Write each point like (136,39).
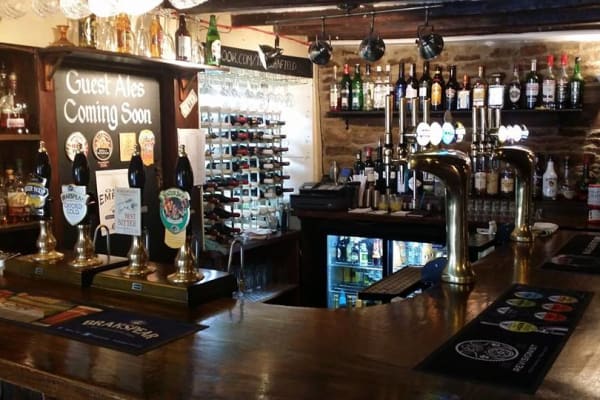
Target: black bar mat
(580,254)
(514,341)
(120,330)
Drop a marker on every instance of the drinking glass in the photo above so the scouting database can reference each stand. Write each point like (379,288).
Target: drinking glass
(107,34)
(167,46)
(142,39)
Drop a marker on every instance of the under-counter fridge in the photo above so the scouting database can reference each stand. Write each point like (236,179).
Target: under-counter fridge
(354,263)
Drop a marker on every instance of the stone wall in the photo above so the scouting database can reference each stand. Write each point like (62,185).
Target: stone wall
(556,134)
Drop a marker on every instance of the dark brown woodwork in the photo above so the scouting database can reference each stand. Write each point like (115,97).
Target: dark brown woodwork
(485,17)
(257,350)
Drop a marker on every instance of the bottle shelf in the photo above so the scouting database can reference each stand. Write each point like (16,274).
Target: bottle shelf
(381,113)
(13,137)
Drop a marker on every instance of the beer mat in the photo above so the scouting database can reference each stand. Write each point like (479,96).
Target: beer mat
(514,341)
(120,330)
(580,254)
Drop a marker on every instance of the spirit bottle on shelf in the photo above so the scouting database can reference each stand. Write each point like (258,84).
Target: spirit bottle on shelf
(357,90)
(183,41)
(550,181)
(335,98)
(562,85)
(480,88)
(368,90)
(452,88)
(463,100)
(424,86)
(532,87)
(549,86)
(567,187)
(438,90)
(576,86)
(400,87)
(412,85)
(212,47)
(514,89)
(346,89)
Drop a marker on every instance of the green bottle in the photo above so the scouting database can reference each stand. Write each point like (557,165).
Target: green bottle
(212,47)
(576,86)
(357,90)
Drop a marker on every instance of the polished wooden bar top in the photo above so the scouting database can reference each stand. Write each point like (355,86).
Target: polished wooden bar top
(268,351)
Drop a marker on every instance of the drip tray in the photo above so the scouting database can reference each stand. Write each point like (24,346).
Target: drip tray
(60,270)
(215,284)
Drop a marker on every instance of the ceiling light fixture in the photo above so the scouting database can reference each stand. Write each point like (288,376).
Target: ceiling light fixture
(319,51)
(268,54)
(430,44)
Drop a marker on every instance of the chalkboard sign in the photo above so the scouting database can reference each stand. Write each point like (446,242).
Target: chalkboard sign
(283,65)
(108,113)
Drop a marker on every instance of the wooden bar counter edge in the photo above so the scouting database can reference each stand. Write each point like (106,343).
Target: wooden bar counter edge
(266,351)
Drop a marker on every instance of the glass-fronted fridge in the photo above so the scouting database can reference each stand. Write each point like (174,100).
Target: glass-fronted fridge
(354,263)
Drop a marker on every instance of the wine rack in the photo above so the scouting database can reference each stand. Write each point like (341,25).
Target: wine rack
(244,171)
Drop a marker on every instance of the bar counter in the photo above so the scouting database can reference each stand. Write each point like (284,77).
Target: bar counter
(267,351)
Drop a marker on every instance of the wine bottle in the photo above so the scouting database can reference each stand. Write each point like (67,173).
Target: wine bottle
(400,87)
(532,86)
(438,90)
(562,85)
(212,47)
(514,89)
(424,86)
(218,198)
(43,171)
(549,86)
(576,86)
(357,90)
(368,90)
(184,177)
(452,89)
(480,88)
(359,165)
(346,89)
(463,100)
(183,41)
(412,85)
(334,92)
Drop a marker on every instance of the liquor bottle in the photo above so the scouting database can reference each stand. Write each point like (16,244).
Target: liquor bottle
(438,90)
(368,90)
(400,87)
(412,86)
(480,88)
(492,177)
(184,177)
(480,175)
(549,86)
(496,91)
(359,165)
(452,88)
(80,170)
(567,187)
(357,90)
(562,85)
(507,182)
(538,177)
(463,98)
(369,165)
(335,98)
(387,82)
(340,249)
(124,34)
(13,112)
(156,37)
(532,86)
(585,180)
(514,89)
(550,181)
(576,86)
(378,166)
(212,46)
(424,86)
(136,176)
(183,41)
(346,89)
(42,174)
(87,31)
(379,92)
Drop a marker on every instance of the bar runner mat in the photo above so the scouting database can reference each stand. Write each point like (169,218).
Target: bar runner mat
(580,254)
(514,341)
(124,331)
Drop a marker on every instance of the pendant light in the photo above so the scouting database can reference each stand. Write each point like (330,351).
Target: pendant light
(372,48)
(319,51)
(430,44)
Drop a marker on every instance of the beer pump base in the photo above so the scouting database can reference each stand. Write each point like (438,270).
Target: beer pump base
(215,284)
(61,271)
(182,278)
(46,257)
(135,272)
(86,262)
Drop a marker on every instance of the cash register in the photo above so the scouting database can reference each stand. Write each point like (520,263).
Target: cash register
(324,195)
